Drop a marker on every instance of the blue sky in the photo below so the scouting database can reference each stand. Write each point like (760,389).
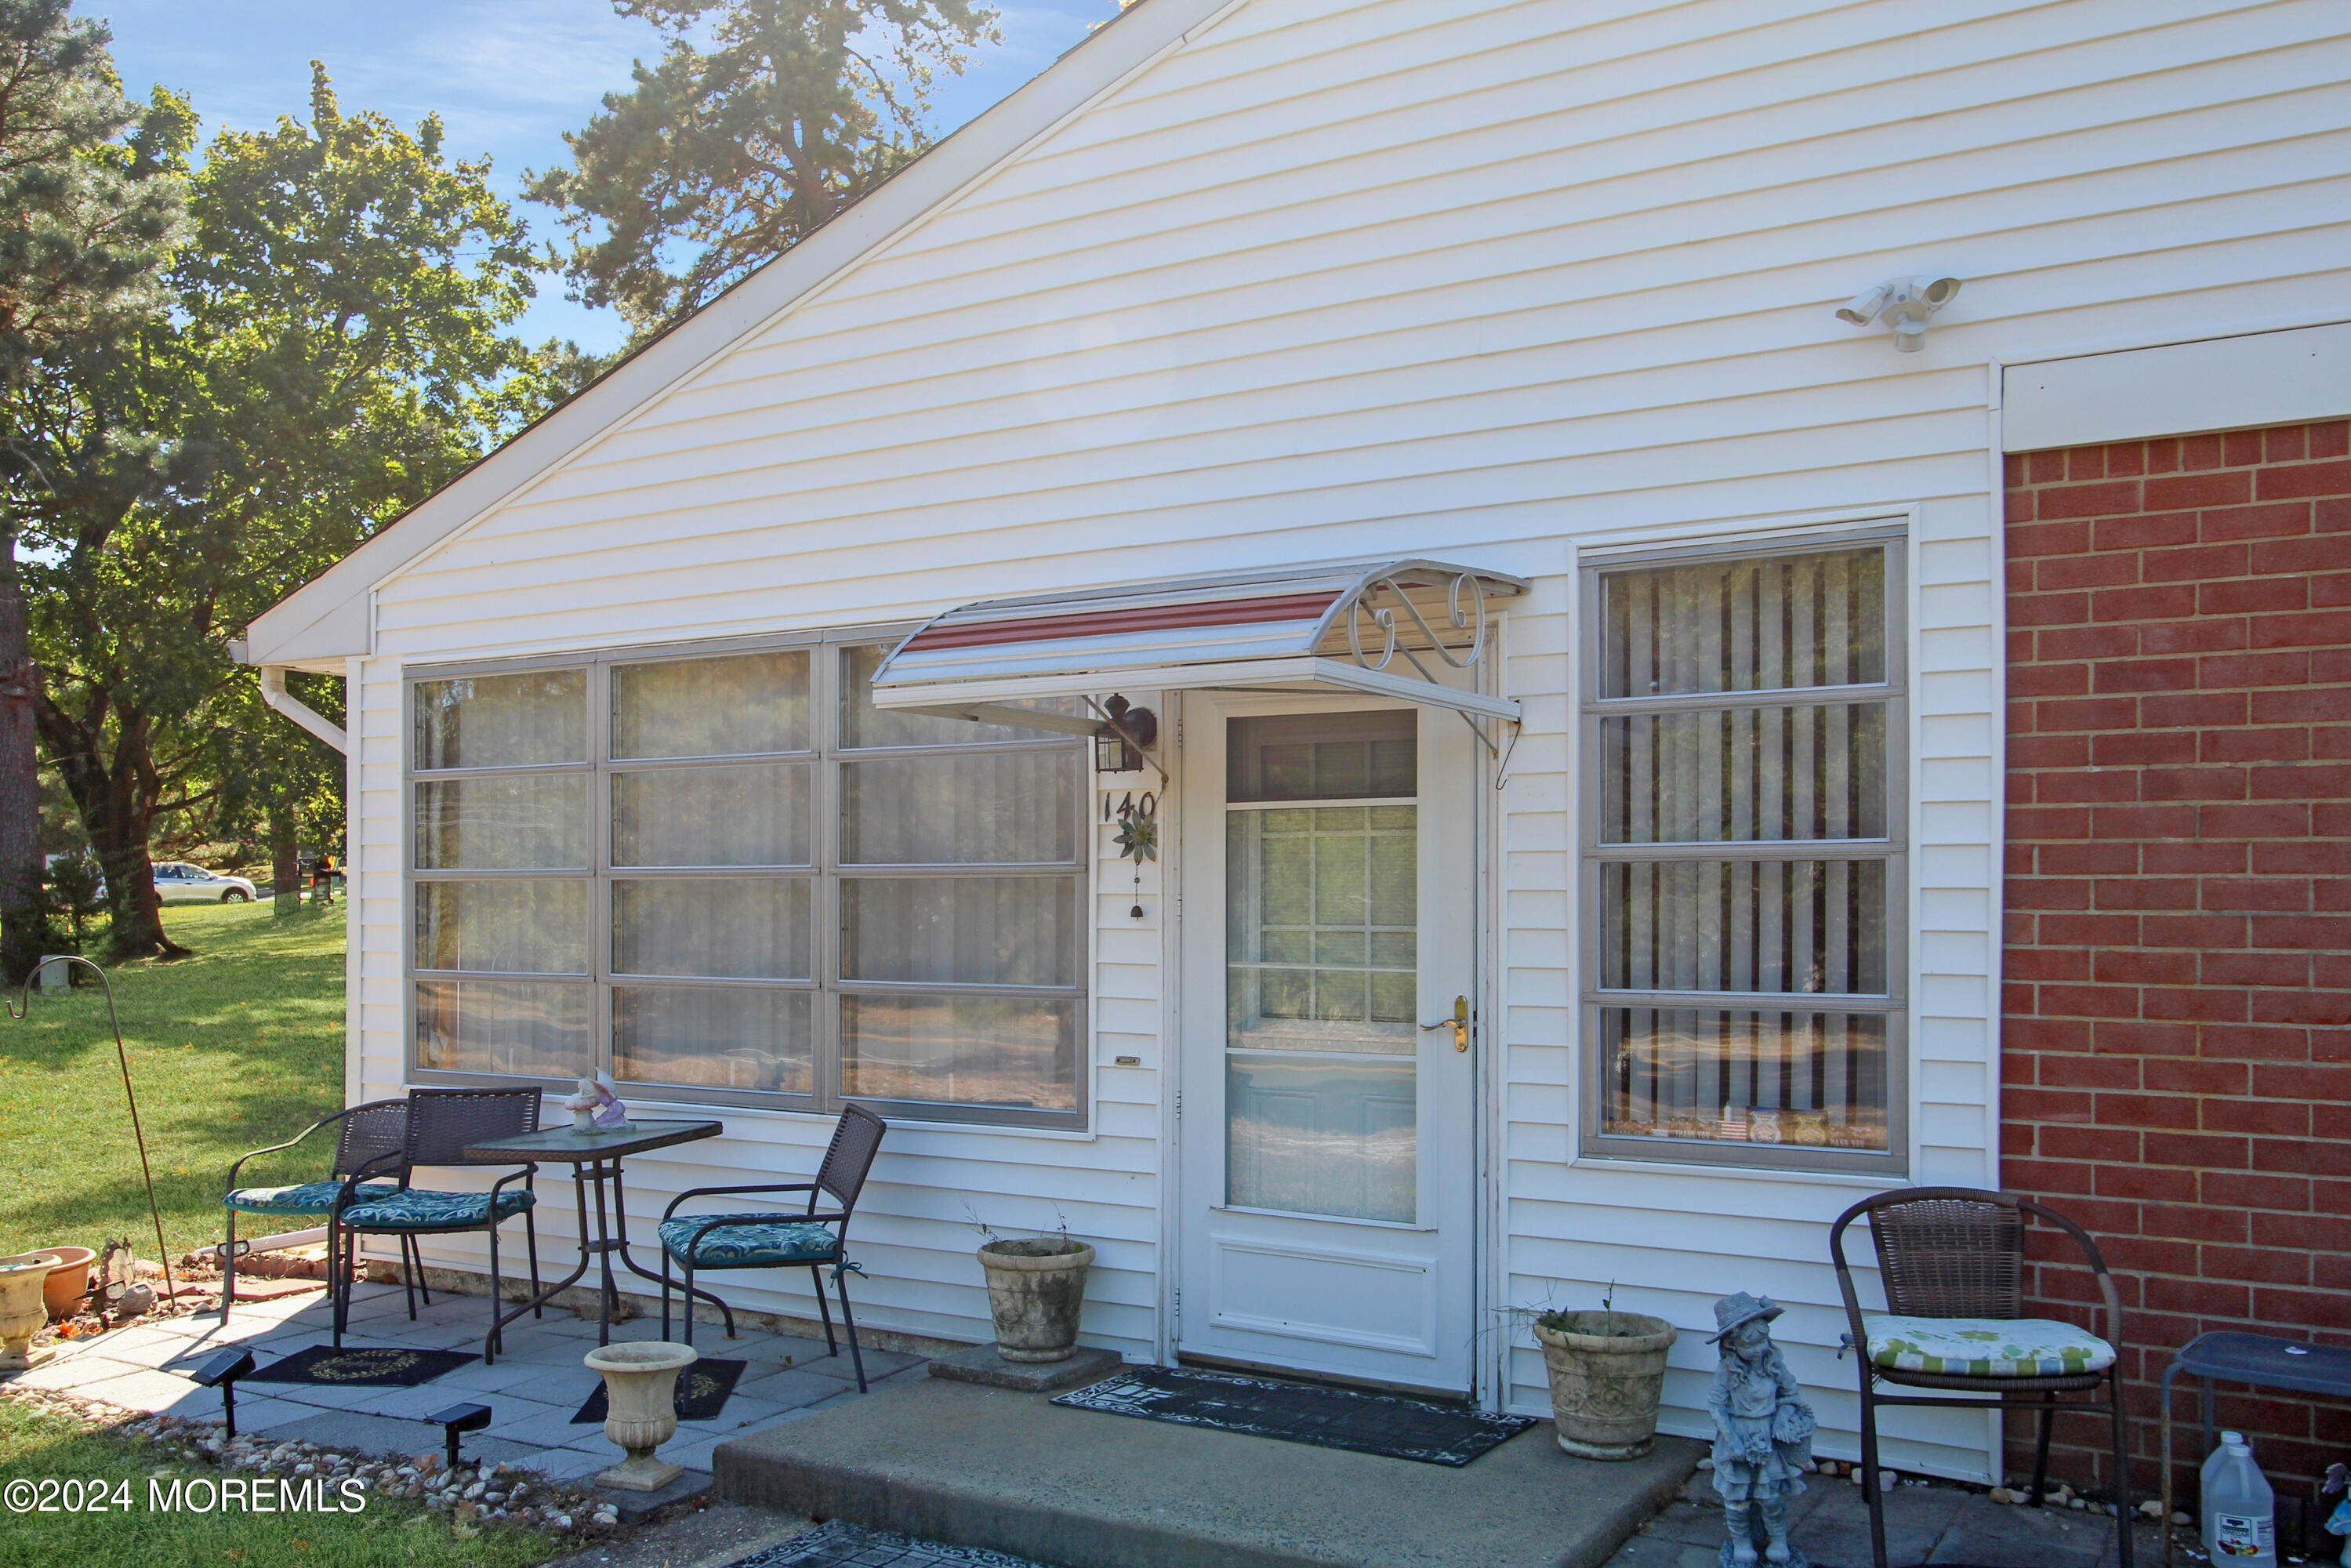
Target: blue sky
(508,77)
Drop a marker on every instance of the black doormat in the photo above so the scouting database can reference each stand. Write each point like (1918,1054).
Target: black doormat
(363,1366)
(1302,1413)
(702,1393)
(838,1544)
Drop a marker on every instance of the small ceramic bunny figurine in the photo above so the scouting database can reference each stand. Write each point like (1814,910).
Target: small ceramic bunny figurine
(1762,1434)
(582,1106)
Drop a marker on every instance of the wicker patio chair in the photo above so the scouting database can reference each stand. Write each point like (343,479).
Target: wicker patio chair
(368,1143)
(809,1240)
(1952,1261)
(442,1123)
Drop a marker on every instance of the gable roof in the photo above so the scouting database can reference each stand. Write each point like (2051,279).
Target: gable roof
(330,618)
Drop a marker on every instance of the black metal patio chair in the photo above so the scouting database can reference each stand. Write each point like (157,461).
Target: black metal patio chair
(809,1240)
(368,1143)
(442,1123)
(1952,1261)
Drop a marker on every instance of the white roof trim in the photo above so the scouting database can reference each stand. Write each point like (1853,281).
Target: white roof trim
(329,617)
(2296,376)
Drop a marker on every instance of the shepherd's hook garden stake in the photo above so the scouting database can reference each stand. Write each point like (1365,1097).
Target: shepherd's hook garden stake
(22,1007)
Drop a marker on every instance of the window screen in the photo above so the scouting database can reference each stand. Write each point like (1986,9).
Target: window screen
(729,876)
(1743,864)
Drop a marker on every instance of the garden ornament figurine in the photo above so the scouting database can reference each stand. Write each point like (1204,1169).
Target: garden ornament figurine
(596,1108)
(1762,1434)
(611,1116)
(2338,1480)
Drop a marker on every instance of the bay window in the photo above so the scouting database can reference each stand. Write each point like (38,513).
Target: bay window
(727,876)
(1743,856)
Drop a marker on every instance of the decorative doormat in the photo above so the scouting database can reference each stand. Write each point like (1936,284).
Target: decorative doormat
(702,1393)
(836,1544)
(1302,1413)
(363,1366)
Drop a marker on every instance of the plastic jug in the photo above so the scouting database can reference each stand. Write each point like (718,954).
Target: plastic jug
(2240,1511)
(2212,1462)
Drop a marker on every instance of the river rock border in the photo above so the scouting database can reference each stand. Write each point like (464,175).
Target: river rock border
(474,1496)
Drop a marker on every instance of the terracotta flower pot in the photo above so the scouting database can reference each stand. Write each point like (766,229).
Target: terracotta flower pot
(1036,1292)
(68,1281)
(22,1316)
(641,1408)
(1607,1377)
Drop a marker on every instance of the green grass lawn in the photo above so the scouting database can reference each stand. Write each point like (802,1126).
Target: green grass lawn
(239,1046)
(385,1534)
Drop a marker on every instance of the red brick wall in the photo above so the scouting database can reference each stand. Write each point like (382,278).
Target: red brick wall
(2176,1050)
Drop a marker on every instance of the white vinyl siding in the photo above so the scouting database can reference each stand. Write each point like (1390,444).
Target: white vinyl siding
(1497,282)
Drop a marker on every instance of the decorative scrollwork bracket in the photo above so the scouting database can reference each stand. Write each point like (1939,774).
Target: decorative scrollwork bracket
(1375,608)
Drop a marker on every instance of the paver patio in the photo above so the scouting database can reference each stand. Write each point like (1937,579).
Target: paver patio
(533,1389)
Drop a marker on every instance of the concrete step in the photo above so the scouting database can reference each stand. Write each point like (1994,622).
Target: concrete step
(976,1466)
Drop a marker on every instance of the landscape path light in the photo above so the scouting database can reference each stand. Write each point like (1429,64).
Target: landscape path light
(221,1372)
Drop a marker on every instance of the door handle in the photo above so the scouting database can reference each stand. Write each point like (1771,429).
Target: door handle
(1458,1023)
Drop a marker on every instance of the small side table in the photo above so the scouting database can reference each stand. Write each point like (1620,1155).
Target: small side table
(2261,1360)
(595,1159)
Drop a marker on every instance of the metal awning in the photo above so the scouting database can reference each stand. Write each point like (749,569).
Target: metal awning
(1385,630)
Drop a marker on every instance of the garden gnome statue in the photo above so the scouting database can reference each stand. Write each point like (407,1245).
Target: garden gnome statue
(1762,1434)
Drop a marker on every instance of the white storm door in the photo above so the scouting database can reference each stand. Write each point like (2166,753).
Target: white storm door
(1327,1143)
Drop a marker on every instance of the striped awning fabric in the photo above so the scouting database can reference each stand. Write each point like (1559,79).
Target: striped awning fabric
(1358,628)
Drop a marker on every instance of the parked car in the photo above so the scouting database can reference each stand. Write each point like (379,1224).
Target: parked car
(177,881)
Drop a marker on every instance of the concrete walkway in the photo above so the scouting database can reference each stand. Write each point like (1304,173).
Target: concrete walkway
(1012,1472)
(533,1390)
(1937,1526)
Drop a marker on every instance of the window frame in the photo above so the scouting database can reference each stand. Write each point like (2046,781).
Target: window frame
(827,757)
(1893,852)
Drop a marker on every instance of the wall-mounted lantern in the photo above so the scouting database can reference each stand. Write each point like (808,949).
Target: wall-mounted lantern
(1119,745)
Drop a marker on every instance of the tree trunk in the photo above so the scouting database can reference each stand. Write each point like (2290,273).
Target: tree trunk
(24,932)
(117,803)
(285,859)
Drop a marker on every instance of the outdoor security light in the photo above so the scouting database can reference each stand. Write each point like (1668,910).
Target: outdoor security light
(460,1418)
(1120,744)
(1904,303)
(221,1372)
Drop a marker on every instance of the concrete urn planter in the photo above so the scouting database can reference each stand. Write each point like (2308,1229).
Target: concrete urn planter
(1607,1375)
(1036,1291)
(22,1313)
(641,1408)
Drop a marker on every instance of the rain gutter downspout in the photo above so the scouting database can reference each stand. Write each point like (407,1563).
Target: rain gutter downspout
(274,693)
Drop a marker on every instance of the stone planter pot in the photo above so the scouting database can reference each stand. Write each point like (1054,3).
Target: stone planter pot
(1607,1373)
(68,1281)
(1036,1291)
(22,1316)
(641,1408)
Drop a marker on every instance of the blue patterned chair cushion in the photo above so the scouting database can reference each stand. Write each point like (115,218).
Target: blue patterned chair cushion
(746,1240)
(418,1210)
(309,1197)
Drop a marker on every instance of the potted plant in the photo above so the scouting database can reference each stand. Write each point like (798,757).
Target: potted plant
(1036,1291)
(1607,1377)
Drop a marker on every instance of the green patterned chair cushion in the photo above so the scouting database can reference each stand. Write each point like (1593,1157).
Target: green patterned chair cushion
(749,1240)
(1985,1347)
(418,1210)
(309,1197)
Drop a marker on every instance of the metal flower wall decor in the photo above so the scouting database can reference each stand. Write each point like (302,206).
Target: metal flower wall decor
(1138,840)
